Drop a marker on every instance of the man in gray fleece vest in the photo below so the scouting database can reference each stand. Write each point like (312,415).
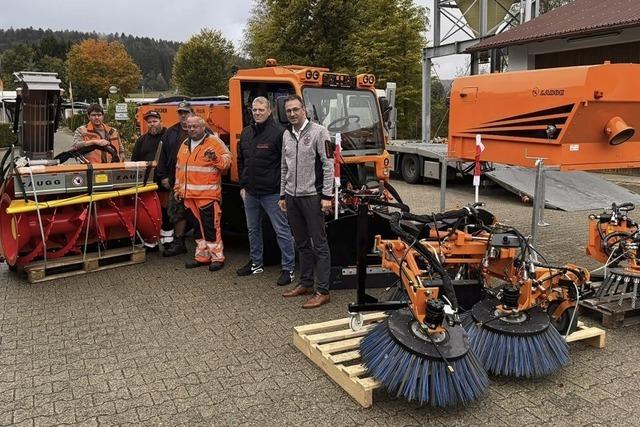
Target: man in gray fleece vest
(306,189)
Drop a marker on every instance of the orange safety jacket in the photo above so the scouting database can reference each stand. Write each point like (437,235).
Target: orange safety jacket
(89,133)
(198,178)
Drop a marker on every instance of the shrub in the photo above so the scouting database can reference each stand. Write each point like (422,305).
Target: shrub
(6,136)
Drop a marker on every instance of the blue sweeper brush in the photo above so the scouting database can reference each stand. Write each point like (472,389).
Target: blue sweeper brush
(515,343)
(433,366)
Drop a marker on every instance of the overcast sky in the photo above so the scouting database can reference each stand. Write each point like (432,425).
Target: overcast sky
(164,19)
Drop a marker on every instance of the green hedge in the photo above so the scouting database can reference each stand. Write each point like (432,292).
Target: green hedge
(6,136)
(75,121)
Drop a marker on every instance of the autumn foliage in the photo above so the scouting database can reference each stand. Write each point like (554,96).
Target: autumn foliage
(95,65)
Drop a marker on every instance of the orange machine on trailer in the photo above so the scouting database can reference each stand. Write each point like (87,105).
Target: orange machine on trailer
(343,103)
(575,118)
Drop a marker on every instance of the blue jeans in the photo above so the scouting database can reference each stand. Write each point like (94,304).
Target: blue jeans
(254,207)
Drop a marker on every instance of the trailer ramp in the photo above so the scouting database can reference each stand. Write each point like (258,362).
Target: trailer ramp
(567,191)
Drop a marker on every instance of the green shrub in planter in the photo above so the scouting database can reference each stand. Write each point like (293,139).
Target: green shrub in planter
(6,136)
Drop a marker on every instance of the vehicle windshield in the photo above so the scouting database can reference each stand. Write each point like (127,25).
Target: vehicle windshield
(353,113)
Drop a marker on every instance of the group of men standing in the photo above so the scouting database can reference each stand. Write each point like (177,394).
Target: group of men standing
(284,173)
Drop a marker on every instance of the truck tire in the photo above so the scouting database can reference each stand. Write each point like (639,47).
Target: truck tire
(410,168)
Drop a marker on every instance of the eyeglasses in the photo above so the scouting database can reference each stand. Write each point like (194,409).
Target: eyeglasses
(194,126)
(293,110)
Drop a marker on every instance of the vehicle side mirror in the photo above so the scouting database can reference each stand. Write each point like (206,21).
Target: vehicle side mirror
(385,108)
(282,111)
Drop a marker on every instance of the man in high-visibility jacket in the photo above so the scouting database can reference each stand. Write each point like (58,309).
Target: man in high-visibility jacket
(98,142)
(201,160)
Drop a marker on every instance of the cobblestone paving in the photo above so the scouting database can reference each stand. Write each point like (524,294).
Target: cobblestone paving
(155,344)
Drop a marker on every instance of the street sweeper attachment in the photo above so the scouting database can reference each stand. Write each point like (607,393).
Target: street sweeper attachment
(614,240)
(516,330)
(420,352)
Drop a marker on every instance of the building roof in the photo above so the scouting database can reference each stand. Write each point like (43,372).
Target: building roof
(578,18)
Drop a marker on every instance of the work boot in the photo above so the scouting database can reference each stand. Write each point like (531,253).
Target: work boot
(195,264)
(286,278)
(177,247)
(215,266)
(249,269)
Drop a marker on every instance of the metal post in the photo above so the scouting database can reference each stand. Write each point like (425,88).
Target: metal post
(483,18)
(443,182)
(393,114)
(436,23)
(426,97)
(537,219)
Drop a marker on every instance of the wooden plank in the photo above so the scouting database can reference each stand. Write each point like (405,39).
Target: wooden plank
(338,335)
(344,357)
(611,314)
(354,370)
(369,383)
(36,272)
(336,324)
(353,388)
(593,336)
(333,347)
(328,344)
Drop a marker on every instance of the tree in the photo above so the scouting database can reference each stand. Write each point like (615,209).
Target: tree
(52,64)
(384,37)
(19,57)
(202,65)
(302,31)
(95,65)
(548,5)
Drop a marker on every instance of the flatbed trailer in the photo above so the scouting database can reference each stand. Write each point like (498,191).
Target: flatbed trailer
(415,160)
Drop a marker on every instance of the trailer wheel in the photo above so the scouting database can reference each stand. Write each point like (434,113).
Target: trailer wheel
(410,168)
(563,324)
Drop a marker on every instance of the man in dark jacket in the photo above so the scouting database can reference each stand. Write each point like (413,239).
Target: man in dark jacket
(147,149)
(166,174)
(259,157)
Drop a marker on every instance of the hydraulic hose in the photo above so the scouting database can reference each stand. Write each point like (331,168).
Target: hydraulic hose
(447,285)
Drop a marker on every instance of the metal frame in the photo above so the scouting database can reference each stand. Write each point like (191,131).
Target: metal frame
(529,9)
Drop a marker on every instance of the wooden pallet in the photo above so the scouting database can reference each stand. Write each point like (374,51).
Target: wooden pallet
(75,265)
(612,314)
(591,335)
(333,346)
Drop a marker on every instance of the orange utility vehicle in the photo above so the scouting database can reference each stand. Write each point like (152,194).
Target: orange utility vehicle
(342,103)
(575,118)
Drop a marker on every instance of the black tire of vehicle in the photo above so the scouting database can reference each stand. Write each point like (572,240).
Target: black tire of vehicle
(562,324)
(410,168)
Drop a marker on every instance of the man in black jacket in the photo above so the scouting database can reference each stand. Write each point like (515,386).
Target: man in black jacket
(259,154)
(147,149)
(166,174)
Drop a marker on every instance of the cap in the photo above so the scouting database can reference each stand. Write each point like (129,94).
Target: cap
(152,113)
(185,106)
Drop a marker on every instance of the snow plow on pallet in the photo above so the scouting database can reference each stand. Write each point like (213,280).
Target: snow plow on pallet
(50,211)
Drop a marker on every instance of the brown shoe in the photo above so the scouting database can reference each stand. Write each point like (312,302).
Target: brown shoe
(317,300)
(297,291)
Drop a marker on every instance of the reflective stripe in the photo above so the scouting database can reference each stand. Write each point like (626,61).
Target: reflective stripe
(204,169)
(202,187)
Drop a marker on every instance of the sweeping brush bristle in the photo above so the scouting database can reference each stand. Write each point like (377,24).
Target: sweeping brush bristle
(525,347)
(412,368)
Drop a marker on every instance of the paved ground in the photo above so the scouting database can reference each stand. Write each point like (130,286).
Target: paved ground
(157,345)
